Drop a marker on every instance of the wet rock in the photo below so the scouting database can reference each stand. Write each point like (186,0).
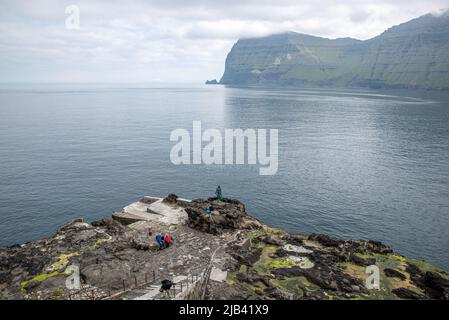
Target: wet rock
(391,273)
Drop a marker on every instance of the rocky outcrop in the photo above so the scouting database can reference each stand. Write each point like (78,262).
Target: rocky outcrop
(435,286)
(405,293)
(394,274)
(325,240)
(224,215)
(257,261)
(214,81)
(171,198)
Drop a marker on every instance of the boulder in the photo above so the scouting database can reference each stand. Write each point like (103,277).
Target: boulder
(325,240)
(378,247)
(171,198)
(141,242)
(391,273)
(107,273)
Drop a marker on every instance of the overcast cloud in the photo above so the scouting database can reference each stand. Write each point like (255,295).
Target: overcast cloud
(171,40)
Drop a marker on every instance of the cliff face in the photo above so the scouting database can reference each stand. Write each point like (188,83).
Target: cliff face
(412,55)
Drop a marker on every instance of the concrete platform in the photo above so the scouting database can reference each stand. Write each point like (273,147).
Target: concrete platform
(152,209)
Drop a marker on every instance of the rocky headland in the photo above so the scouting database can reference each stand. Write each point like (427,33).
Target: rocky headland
(412,55)
(221,253)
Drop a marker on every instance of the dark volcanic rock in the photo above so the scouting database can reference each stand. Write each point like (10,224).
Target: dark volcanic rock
(171,198)
(246,257)
(293,239)
(114,257)
(436,286)
(361,261)
(269,240)
(251,277)
(378,247)
(391,273)
(227,214)
(416,275)
(324,276)
(325,240)
(280,253)
(405,293)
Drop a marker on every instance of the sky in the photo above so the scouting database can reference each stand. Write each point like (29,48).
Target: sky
(169,41)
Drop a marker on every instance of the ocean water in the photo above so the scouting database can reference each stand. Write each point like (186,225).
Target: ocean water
(353,164)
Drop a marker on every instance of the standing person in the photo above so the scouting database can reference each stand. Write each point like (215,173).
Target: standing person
(218,193)
(166,286)
(167,240)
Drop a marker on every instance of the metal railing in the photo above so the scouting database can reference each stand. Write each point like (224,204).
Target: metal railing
(136,281)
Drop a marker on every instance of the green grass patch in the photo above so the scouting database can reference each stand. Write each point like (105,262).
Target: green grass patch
(63,261)
(281,263)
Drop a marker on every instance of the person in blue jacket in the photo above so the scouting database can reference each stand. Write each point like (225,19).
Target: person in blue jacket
(159,241)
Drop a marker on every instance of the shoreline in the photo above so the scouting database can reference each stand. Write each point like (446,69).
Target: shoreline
(226,254)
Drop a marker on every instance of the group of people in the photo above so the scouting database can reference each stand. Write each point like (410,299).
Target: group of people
(163,241)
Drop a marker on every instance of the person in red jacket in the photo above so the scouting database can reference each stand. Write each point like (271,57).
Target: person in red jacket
(167,240)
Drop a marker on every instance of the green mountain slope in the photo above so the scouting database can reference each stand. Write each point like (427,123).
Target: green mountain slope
(412,55)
